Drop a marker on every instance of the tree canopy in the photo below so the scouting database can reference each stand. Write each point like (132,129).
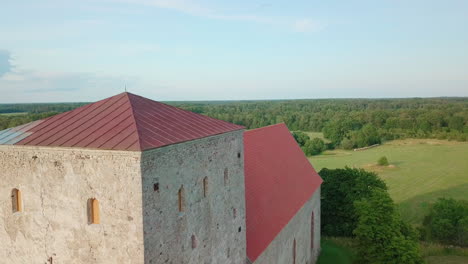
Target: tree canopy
(381,234)
(447,222)
(340,189)
(356,203)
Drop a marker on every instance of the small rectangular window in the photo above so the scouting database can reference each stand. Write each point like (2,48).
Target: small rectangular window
(205,186)
(16,201)
(93,211)
(181,195)
(226,176)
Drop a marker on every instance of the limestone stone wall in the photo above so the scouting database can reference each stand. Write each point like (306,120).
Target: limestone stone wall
(281,248)
(56,184)
(211,227)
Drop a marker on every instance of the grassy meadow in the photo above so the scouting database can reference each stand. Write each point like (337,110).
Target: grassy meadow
(420,171)
(317,135)
(14,114)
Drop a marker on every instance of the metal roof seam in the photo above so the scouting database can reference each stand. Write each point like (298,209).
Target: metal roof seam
(81,129)
(125,138)
(153,114)
(161,111)
(38,137)
(105,133)
(178,112)
(89,136)
(105,142)
(55,119)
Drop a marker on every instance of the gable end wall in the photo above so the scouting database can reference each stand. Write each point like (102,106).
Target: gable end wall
(216,222)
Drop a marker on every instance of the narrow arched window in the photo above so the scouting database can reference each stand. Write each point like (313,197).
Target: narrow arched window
(93,211)
(16,201)
(312,232)
(294,252)
(226,176)
(205,186)
(181,199)
(194,242)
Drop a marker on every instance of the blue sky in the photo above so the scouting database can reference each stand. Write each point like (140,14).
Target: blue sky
(63,50)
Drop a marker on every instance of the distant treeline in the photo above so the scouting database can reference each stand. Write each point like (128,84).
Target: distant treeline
(351,123)
(347,123)
(12,115)
(38,108)
(7,121)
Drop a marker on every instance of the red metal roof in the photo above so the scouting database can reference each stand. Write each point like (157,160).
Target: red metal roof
(122,122)
(279,180)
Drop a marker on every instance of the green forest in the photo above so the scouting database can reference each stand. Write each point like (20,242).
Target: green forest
(346,123)
(351,123)
(12,115)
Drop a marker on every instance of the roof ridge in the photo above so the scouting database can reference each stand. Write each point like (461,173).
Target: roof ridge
(132,108)
(267,127)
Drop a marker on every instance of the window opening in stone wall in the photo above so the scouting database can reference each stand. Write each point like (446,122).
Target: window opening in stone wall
(205,186)
(181,195)
(312,232)
(226,176)
(156,187)
(93,211)
(194,242)
(16,201)
(294,252)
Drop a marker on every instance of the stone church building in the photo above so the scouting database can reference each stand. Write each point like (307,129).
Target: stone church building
(131,180)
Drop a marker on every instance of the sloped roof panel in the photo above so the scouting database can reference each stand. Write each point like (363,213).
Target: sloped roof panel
(279,180)
(122,122)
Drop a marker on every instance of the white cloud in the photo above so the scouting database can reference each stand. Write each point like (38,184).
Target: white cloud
(306,25)
(5,62)
(193,9)
(21,86)
(189,7)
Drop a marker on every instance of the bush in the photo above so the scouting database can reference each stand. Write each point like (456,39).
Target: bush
(340,189)
(356,203)
(381,234)
(383,161)
(346,143)
(314,147)
(301,138)
(447,222)
(366,136)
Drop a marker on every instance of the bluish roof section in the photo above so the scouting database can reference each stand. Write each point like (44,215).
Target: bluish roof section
(13,135)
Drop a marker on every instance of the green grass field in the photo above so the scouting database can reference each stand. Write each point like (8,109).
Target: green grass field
(14,114)
(420,171)
(446,260)
(340,250)
(313,135)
